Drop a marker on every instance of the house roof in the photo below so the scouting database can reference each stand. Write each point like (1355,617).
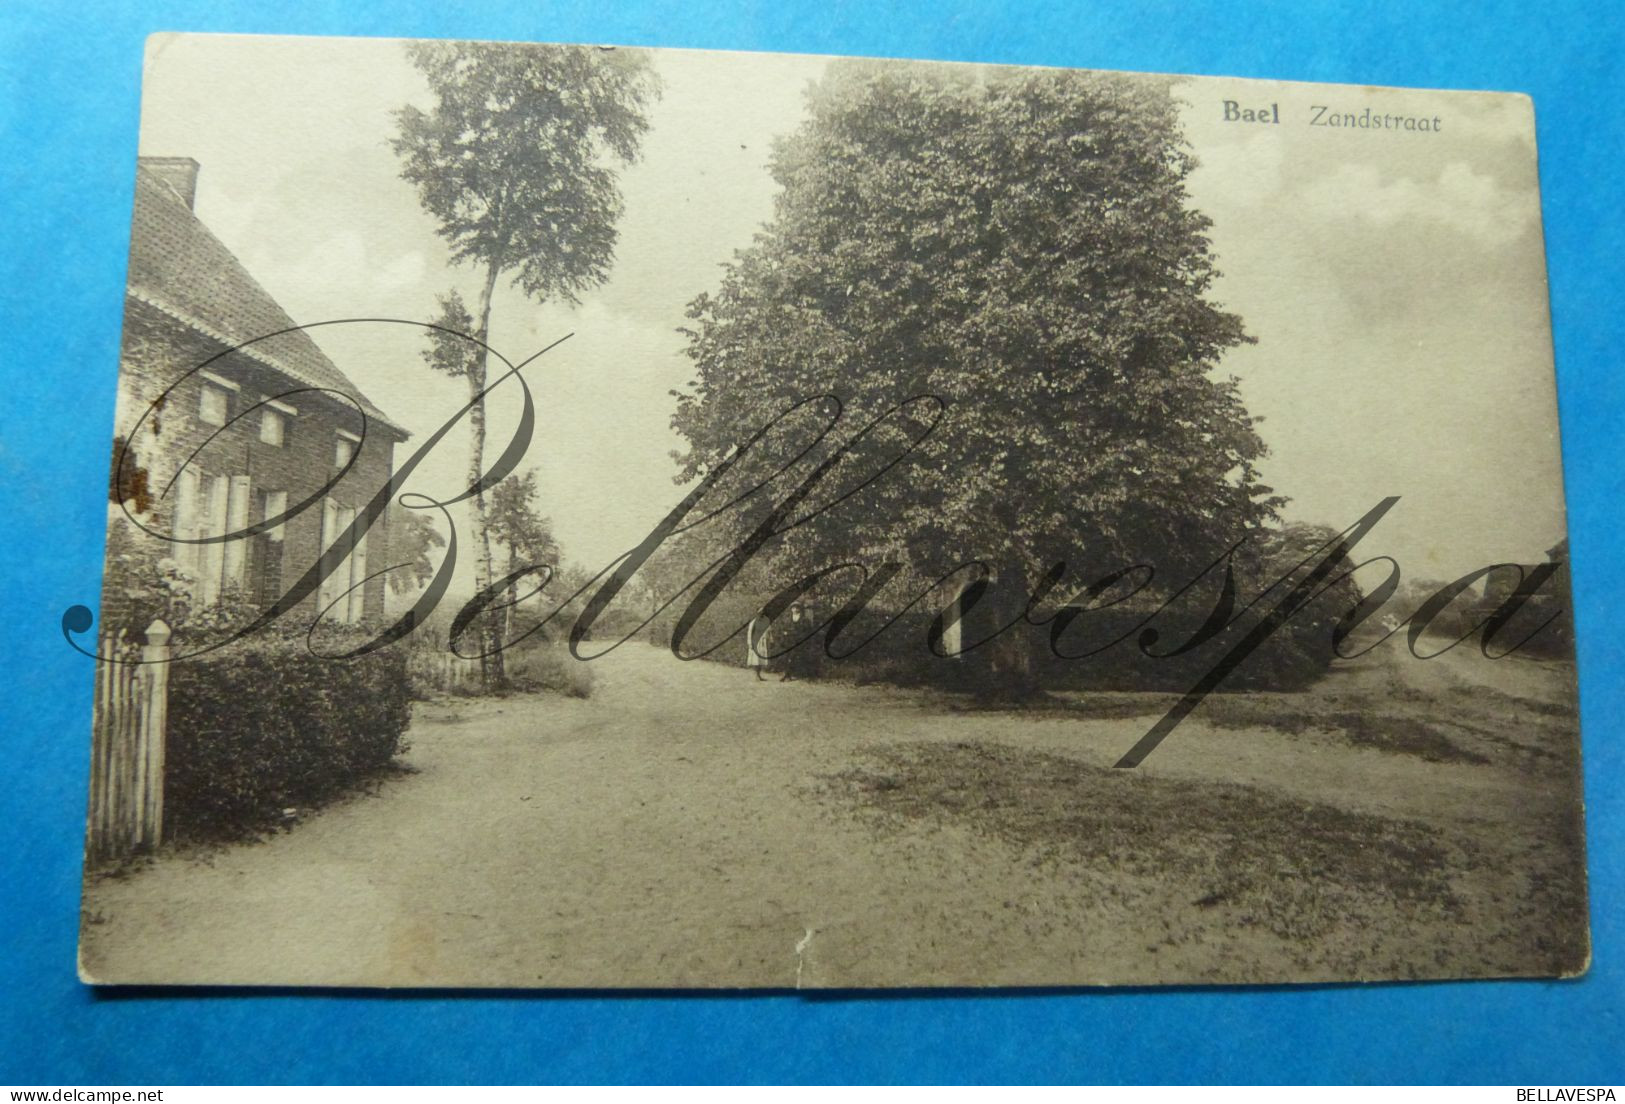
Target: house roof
(180,268)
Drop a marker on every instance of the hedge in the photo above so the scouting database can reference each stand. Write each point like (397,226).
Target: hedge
(1297,654)
(264,726)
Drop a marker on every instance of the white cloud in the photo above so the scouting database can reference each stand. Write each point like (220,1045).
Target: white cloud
(1457,197)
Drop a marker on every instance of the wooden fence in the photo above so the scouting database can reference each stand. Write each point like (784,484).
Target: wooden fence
(129,732)
(127,745)
(442,672)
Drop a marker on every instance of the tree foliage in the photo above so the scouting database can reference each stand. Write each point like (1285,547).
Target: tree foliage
(448,350)
(517,158)
(1021,245)
(413,540)
(517,523)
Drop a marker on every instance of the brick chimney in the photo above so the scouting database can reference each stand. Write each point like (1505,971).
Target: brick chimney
(180,173)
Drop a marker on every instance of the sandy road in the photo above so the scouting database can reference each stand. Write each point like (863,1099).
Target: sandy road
(676,830)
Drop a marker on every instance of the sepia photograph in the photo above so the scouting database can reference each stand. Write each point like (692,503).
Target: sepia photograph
(613,518)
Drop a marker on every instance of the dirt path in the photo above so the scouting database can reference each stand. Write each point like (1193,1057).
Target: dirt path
(680,828)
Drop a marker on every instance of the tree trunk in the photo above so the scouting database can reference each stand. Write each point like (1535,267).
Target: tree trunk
(491,665)
(1008,671)
(513,594)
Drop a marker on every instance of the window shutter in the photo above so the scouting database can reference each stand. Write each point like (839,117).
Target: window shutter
(276,502)
(329,529)
(185,526)
(358,572)
(236,521)
(214,524)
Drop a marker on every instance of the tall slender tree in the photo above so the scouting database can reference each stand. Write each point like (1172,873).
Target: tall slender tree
(517,160)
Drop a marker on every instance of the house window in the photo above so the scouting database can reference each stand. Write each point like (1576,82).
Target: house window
(273,427)
(343,450)
(211,506)
(342,594)
(267,549)
(213,405)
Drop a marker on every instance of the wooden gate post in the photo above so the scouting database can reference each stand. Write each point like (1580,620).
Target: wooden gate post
(154,672)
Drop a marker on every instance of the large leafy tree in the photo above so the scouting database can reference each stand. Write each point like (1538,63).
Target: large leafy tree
(1022,246)
(517,160)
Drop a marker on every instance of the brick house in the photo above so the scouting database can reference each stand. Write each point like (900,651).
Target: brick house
(264,426)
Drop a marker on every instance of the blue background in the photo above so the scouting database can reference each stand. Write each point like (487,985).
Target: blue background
(68,113)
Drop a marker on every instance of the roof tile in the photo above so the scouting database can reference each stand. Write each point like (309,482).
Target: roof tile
(180,267)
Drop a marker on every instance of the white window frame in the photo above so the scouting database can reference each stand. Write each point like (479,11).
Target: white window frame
(205,405)
(273,427)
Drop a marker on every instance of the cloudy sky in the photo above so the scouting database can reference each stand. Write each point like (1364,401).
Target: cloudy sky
(1394,281)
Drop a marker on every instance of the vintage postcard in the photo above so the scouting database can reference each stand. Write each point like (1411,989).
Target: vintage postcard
(603,517)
